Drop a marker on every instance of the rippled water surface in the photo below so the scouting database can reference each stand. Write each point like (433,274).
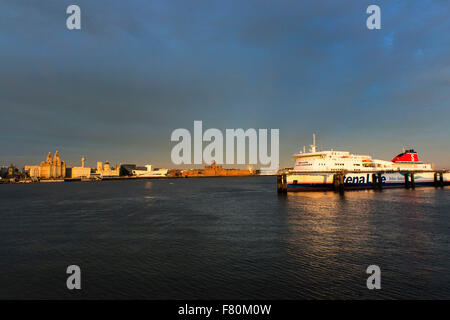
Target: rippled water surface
(221,238)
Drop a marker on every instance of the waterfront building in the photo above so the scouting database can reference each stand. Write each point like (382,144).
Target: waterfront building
(127,169)
(149,171)
(79,172)
(33,171)
(106,170)
(174,173)
(52,167)
(3,171)
(214,170)
(13,172)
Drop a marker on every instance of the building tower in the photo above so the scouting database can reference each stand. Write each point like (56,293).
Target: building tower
(313,146)
(49,158)
(107,166)
(56,168)
(11,170)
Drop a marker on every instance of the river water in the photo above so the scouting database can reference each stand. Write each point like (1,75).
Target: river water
(221,238)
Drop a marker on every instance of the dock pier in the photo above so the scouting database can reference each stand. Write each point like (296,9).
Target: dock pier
(338,181)
(281,183)
(409,180)
(377,181)
(439,179)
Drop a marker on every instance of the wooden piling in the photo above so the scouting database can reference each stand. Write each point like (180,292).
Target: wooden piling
(279,184)
(413,183)
(439,179)
(338,182)
(379,181)
(407,180)
(374,180)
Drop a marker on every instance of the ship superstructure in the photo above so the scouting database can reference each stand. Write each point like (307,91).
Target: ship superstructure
(331,160)
(316,170)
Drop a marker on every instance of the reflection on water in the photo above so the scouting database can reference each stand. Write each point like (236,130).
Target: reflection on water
(221,238)
(395,229)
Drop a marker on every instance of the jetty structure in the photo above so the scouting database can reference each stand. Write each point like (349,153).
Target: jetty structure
(340,170)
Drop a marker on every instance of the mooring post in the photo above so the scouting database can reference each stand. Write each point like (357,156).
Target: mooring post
(436,183)
(441,179)
(406,180)
(379,181)
(341,182)
(338,182)
(284,183)
(279,184)
(374,180)
(413,183)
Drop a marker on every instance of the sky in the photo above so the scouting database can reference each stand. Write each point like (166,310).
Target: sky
(137,70)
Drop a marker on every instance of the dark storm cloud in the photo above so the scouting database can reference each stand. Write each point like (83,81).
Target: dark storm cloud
(139,69)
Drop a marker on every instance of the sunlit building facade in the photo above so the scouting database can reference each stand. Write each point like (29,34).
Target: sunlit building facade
(52,167)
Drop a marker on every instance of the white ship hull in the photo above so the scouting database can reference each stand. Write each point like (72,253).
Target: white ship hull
(315,170)
(324,181)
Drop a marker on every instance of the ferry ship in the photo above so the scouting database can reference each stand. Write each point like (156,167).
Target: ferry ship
(314,170)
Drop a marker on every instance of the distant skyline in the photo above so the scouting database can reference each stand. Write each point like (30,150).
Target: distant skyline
(138,70)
